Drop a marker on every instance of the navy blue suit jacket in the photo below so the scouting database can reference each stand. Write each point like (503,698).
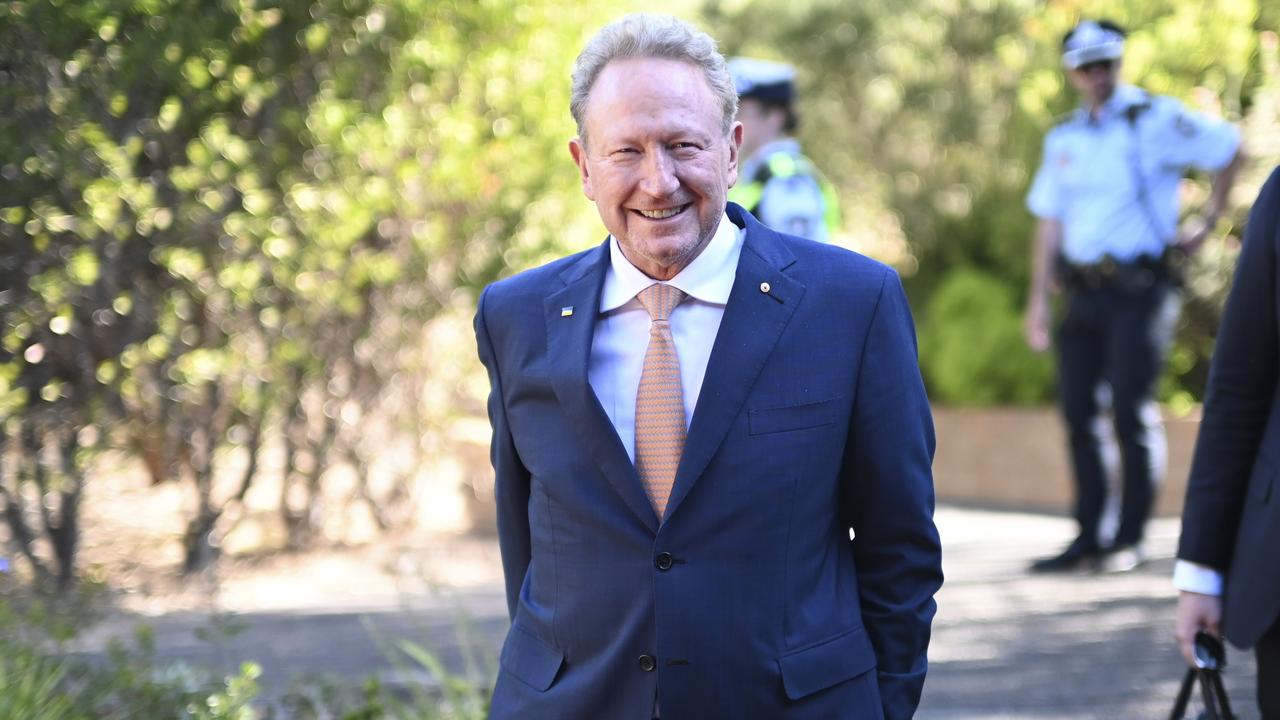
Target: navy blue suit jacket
(749,600)
(1231,520)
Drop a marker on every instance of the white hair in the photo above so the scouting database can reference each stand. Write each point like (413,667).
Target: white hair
(644,35)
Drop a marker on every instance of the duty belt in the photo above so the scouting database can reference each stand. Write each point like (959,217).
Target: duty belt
(1133,275)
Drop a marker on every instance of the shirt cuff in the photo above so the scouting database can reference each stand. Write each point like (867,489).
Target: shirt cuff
(1196,578)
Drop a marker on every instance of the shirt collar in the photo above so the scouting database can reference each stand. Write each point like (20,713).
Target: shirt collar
(709,278)
(1124,97)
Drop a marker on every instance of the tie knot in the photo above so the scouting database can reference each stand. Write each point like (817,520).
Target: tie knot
(660,300)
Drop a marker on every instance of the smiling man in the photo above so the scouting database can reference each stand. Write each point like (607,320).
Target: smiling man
(678,473)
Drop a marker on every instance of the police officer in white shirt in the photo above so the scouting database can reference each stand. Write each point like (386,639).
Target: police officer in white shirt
(777,183)
(1106,200)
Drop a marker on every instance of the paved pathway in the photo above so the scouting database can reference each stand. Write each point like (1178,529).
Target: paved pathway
(1006,644)
(1012,645)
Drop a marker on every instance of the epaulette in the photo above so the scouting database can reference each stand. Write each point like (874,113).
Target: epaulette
(1135,110)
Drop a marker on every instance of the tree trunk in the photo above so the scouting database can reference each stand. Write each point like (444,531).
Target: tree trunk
(199,550)
(65,535)
(15,517)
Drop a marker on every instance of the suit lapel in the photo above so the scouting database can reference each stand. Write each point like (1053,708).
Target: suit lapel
(571,314)
(753,321)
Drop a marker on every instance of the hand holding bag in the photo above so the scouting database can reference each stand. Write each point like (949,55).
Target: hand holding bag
(1210,658)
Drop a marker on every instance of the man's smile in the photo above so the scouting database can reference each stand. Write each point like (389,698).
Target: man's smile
(664,213)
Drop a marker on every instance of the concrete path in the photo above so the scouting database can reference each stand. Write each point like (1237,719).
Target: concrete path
(1006,644)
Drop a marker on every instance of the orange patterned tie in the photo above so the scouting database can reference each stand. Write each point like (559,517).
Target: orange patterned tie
(660,425)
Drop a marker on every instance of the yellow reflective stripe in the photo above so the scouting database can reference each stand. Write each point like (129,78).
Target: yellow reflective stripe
(747,195)
(782,165)
(830,205)
(830,201)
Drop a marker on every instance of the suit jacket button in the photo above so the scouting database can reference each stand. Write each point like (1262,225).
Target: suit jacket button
(647,663)
(663,561)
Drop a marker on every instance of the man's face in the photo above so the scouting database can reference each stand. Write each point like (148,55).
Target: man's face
(760,123)
(1095,81)
(656,161)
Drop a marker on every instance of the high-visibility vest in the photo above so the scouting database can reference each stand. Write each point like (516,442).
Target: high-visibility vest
(784,165)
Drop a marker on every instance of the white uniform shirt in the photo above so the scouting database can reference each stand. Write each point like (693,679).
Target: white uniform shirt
(622,328)
(1095,172)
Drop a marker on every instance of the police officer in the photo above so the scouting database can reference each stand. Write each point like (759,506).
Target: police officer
(777,184)
(1106,200)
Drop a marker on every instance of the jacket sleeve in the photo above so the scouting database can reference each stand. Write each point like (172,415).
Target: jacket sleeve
(511,478)
(887,487)
(1242,387)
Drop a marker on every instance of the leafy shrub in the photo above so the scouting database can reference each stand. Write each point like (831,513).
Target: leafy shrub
(39,680)
(971,346)
(30,686)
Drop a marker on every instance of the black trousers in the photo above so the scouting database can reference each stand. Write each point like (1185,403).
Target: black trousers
(1268,653)
(1114,339)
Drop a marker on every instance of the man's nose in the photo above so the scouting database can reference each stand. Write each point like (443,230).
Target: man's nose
(659,175)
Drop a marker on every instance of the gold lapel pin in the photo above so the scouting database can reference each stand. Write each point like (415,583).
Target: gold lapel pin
(566,311)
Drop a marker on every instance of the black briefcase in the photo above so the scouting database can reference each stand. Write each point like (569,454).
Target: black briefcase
(1211,658)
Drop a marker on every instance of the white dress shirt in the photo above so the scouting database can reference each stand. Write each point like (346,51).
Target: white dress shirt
(1197,578)
(622,328)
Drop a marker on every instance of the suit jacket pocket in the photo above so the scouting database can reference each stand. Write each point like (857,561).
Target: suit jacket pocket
(531,660)
(793,417)
(826,664)
(1262,478)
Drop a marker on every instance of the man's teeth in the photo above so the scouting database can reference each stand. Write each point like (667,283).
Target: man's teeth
(660,214)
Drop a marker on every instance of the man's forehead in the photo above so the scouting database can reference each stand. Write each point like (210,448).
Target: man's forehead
(673,68)
(650,84)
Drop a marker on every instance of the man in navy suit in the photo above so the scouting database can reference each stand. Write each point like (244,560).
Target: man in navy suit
(1228,566)
(731,589)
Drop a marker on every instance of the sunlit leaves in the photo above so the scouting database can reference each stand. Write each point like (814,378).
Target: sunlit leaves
(204,196)
(928,116)
(82,267)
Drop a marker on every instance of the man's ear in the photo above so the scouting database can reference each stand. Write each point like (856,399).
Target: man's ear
(578,150)
(735,145)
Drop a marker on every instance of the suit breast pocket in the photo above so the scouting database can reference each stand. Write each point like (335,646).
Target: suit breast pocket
(762,421)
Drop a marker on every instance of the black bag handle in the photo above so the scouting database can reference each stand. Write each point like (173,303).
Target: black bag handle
(1210,658)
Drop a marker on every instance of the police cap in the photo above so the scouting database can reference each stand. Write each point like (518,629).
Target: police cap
(764,80)
(1092,41)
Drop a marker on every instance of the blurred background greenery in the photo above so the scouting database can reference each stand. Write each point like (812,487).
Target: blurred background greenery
(242,239)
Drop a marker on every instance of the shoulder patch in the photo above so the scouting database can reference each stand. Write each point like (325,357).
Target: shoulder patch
(1184,126)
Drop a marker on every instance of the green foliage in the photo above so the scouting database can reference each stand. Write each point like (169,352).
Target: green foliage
(30,686)
(39,682)
(440,695)
(229,222)
(929,114)
(971,344)
(233,225)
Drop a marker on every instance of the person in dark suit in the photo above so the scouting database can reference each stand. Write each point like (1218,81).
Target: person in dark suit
(1228,567)
(711,441)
